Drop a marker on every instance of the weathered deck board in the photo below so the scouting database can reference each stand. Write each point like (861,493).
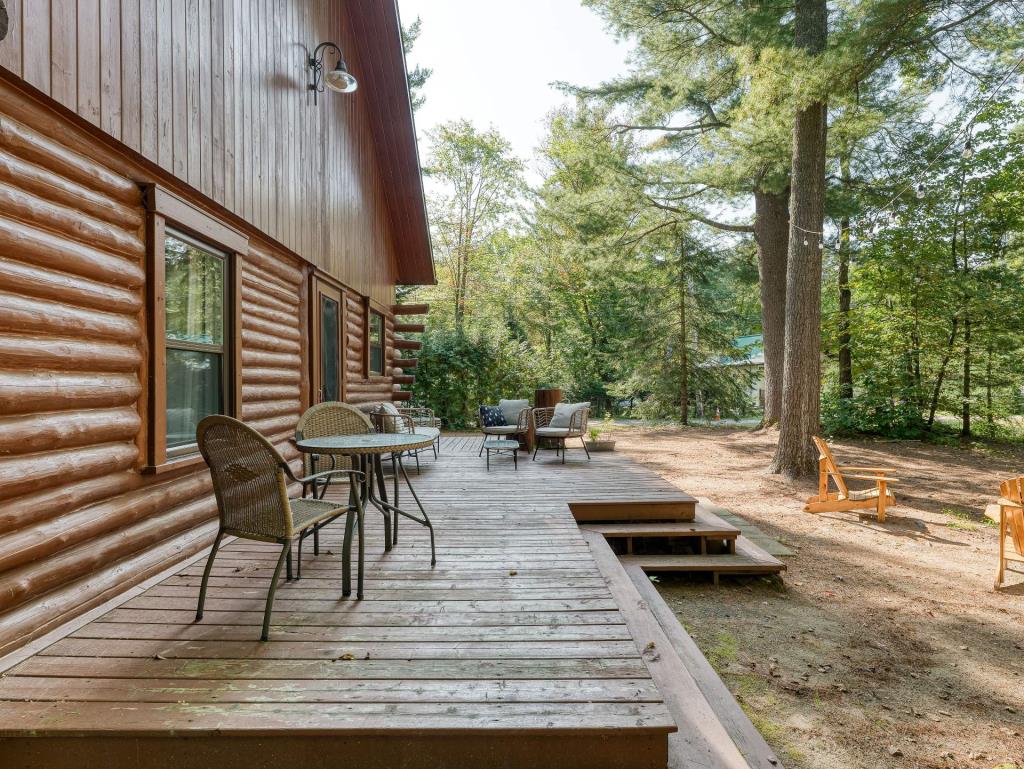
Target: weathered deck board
(511,652)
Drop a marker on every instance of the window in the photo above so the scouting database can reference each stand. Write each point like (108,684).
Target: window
(193,318)
(195,280)
(375,344)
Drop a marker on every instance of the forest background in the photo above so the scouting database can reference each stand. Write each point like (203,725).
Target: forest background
(845,178)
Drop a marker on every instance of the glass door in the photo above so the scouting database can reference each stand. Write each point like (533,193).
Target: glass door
(328,343)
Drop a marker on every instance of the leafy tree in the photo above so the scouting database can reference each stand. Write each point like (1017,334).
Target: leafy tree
(473,202)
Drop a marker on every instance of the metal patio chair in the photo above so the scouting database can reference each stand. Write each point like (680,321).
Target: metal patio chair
(323,420)
(514,427)
(394,420)
(576,428)
(250,482)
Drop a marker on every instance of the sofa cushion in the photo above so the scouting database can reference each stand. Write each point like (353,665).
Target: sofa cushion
(511,409)
(388,423)
(564,411)
(491,416)
(501,430)
(552,432)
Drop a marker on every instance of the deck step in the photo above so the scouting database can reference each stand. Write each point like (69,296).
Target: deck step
(705,524)
(681,507)
(748,559)
(712,734)
(751,744)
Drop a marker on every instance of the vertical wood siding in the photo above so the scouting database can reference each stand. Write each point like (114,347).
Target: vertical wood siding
(214,91)
(78,521)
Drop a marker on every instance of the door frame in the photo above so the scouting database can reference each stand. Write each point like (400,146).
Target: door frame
(321,285)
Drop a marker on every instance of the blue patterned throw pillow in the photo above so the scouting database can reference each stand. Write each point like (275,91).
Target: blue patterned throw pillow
(491,416)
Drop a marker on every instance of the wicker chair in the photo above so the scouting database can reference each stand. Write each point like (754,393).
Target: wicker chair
(325,419)
(517,432)
(422,416)
(397,420)
(559,435)
(250,481)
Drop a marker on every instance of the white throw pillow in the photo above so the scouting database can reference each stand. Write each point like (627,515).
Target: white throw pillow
(389,407)
(564,411)
(510,410)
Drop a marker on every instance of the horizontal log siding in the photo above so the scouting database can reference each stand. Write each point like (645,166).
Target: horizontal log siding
(358,387)
(79,521)
(274,345)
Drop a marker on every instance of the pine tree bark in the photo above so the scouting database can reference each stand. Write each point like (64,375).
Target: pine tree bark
(771,233)
(684,373)
(989,415)
(933,404)
(965,413)
(801,380)
(845,297)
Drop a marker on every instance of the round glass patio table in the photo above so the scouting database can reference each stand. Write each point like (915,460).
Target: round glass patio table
(366,451)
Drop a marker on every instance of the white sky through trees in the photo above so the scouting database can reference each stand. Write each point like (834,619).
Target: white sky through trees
(494,61)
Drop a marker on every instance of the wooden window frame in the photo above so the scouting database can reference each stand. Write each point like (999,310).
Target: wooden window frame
(167,211)
(370,311)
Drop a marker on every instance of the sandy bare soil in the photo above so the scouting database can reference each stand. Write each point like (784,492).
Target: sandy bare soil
(884,645)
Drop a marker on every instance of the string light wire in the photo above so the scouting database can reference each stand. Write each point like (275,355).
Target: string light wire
(966,127)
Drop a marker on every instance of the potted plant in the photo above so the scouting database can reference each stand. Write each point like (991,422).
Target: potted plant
(596,442)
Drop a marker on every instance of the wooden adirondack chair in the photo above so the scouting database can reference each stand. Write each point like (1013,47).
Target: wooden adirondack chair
(1011,523)
(879,498)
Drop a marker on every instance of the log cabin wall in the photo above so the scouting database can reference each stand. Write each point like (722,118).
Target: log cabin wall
(215,93)
(360,388)
(79,520)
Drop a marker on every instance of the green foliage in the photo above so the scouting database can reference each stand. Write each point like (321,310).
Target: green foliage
(459,371)
(877,408)
(625,276)
(937,288)
(418,75)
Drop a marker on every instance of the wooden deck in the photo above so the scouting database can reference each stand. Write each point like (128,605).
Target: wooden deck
(512,652)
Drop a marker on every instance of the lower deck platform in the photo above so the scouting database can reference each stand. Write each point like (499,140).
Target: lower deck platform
(512,652)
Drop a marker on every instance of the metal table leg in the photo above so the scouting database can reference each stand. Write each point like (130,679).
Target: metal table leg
(383,505)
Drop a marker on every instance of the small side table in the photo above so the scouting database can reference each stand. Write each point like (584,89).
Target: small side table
(502,446)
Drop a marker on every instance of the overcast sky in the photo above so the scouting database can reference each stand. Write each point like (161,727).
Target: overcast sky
(493,61)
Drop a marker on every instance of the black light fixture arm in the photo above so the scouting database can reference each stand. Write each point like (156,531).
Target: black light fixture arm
(316,63)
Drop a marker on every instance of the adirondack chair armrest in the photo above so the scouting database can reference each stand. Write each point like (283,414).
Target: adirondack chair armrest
(857,477)
(879,470)
(1004,502)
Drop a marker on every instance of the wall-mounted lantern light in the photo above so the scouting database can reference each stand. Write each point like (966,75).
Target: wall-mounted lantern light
(338,79)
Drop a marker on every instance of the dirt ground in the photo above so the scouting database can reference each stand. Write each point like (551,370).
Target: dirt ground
(884,645)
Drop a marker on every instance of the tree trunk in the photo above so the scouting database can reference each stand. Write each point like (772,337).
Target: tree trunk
(801,380)
(989,416)
(684,395)
(845,355)
(955,322)
(771,233)
(941,376)
(965,412)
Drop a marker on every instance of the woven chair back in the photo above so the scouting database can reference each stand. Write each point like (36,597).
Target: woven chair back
(326,419)
(385,421)
(248,480)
